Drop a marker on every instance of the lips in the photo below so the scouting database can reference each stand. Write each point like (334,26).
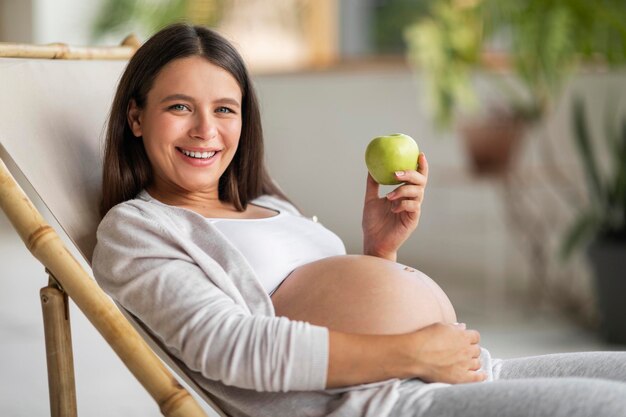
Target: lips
(198,154)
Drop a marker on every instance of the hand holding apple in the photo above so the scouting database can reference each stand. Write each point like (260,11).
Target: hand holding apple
(390,220)
(387,154)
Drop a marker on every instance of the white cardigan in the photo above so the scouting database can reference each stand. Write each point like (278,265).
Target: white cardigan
(192,288)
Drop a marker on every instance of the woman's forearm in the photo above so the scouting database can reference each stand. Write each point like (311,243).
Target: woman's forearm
(359,359)
(437,353)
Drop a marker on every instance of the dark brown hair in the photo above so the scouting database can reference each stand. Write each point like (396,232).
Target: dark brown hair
(126,168)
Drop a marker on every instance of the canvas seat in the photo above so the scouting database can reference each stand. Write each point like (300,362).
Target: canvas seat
(52,116)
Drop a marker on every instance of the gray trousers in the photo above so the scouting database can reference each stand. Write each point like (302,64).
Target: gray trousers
(586,384)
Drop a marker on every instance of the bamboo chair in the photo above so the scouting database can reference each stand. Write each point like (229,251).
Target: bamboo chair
(52,114)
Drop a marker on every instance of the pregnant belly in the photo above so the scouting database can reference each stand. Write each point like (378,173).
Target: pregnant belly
(362,294)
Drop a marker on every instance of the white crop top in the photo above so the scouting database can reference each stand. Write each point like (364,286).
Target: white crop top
(275,246)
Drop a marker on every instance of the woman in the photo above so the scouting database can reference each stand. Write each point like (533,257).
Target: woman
(263,305)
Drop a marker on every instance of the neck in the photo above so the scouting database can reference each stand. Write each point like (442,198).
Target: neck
(201,200)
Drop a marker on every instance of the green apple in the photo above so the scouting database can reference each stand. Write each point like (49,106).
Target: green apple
(387,154)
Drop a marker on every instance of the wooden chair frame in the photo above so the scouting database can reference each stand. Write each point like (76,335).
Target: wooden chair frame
(69,279)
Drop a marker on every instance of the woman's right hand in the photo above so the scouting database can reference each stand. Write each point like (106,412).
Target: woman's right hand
(446,353)
(436,353)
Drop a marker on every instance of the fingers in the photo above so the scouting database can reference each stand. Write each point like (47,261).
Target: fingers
(473,372)
(422,166)
(410,206)
(456,354)
(473,336)
(477,376)
(371,188)
(406,198)
(407,191)
(468,376)
(474,364)
(412,177)
(474,351)
(413,187)
(418,176)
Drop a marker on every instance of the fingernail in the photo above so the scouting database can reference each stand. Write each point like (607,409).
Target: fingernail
(461,325)
(391,194)
(399,173)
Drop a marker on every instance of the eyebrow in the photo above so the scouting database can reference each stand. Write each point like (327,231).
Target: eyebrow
(224,100)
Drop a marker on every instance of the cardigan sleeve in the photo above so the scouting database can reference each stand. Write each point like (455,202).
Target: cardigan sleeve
(142,267)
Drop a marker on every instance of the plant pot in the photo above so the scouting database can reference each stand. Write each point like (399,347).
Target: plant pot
(492,141)
(608,261)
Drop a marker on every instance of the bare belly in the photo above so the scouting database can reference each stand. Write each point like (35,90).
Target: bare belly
(362,294)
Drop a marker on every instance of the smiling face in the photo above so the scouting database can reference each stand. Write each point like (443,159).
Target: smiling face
(190,125)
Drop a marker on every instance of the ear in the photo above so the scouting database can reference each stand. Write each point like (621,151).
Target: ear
(134,116)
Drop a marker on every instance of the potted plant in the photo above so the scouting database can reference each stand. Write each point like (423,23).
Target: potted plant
(602,224)
(543,43)
(119,17)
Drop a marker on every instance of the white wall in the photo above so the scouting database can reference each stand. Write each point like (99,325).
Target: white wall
(67,21)
(47,21)
(16,24)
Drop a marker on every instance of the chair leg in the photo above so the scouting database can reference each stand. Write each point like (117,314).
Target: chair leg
(59,357)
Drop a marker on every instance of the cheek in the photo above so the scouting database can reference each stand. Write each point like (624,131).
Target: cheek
(163,129)
(166,124)
(157,136)
(233,132)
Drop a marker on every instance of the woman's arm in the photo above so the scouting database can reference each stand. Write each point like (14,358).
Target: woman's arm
(437,353)
(148,271)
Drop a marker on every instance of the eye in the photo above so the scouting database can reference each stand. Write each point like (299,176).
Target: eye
(178,107)
(225,110)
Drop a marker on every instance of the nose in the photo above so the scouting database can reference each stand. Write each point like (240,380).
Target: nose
(204,126)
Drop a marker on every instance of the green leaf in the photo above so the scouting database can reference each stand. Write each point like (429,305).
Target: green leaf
(615,134)
(113,15)
(582,229)
(586,152)
(620,175)
(607,213)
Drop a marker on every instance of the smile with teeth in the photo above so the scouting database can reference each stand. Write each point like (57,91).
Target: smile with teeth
(198,155)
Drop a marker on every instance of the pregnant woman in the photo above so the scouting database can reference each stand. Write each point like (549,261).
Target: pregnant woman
(263,305)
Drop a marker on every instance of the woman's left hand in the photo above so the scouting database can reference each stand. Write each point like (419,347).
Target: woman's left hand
(390,220)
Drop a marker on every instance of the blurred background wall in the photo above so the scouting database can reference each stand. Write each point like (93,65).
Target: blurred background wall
(46,21)
(331,75)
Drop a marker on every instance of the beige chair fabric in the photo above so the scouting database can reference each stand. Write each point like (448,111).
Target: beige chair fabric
(52,117)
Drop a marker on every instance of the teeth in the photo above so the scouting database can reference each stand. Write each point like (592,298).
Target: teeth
(198,155)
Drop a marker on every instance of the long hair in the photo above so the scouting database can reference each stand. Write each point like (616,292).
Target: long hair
(126,168)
